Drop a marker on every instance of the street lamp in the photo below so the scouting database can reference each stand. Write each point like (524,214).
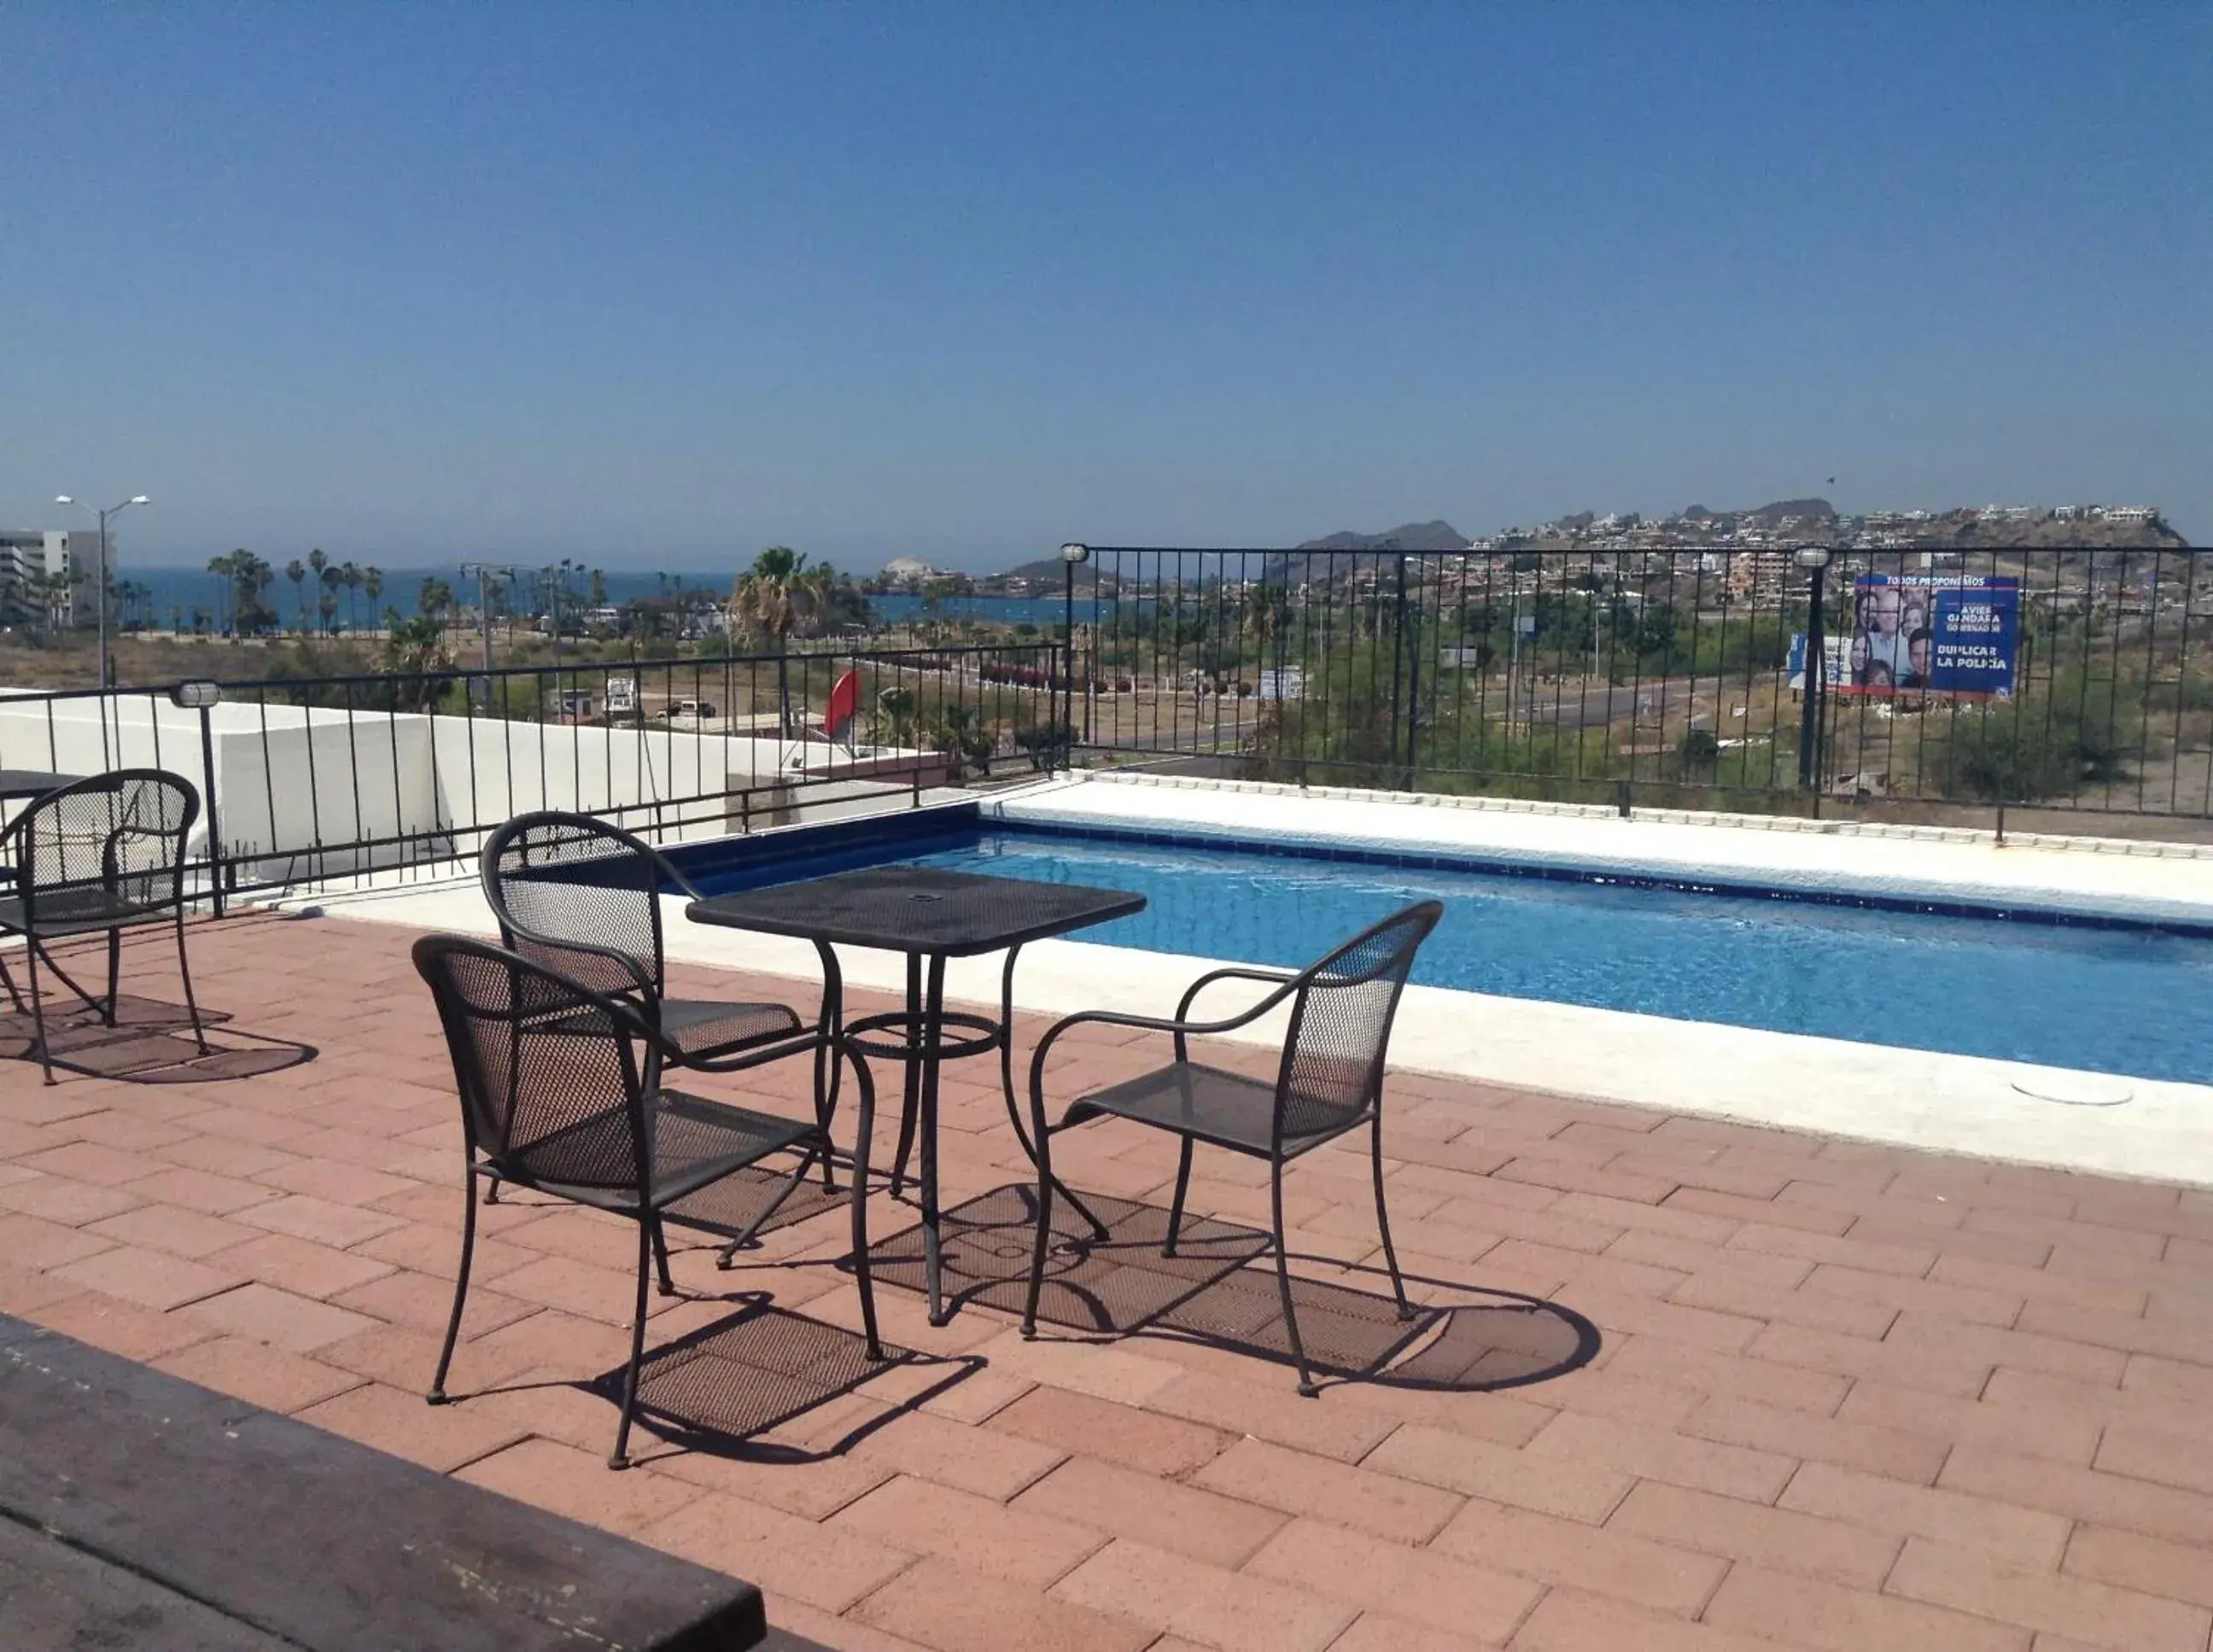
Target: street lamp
(485,573)
(1070,555)
(105,516)
(1815,559)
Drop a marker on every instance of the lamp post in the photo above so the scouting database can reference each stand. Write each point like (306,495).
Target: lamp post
(485,573)
(106,516)
(1070,555)
(1815,559)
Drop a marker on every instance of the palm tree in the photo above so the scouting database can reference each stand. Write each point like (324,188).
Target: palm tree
(317,562)
(296,571)
(372,585)
(777,596)
(350,580)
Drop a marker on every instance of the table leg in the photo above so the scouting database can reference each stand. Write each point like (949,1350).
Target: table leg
(933,1024)
(1014,1106)
(829,1065)
(910,1095)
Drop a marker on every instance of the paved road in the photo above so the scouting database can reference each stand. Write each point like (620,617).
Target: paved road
(1571,707)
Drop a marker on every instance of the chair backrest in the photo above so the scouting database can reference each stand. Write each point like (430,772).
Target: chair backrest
(552,1076)
(122,834)
(1341,1020)
(560,883)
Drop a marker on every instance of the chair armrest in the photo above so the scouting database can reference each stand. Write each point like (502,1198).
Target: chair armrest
(666,868)
(1278,976)
(641,1020)
(1180,1027)
(773,1046)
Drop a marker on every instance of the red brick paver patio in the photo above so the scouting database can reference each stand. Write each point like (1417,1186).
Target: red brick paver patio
(1845,1397)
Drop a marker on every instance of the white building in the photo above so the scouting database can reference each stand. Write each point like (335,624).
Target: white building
(909,570)
(67,558)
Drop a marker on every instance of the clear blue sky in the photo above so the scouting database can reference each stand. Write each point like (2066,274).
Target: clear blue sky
(658,284)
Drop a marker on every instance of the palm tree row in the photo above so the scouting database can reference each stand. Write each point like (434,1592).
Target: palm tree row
(247,576)
(330,579)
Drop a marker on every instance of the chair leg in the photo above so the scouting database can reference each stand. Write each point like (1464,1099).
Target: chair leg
(39,1012)
(1175,1209)
(661,1254)
(1306,1384)
(646,1225)
(827,1067)
(185,974)
(829,1064)
(911,1090)
(115,976)
(1383,1225)
(438,1394)
(727,1256)
(858,1197)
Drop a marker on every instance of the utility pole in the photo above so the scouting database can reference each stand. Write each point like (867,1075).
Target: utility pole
(485,573)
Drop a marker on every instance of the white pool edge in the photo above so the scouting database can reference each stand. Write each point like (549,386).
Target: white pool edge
(2162,1132)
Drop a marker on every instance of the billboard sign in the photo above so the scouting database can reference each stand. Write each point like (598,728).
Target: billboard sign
(1932,633)
(1834,657)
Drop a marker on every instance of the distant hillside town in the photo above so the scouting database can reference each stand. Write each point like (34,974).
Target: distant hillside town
(1816,521)
(1777,527)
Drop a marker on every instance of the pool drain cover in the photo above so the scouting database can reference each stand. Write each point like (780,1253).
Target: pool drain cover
(2076,1089)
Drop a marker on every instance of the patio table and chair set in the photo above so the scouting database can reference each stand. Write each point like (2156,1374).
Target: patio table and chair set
(563,1038)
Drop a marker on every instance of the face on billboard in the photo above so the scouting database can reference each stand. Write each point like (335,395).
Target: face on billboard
(1884,604)
(1918,648)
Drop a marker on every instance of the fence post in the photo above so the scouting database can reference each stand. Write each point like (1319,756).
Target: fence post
(1815,560)
(215,855)
(1398,650)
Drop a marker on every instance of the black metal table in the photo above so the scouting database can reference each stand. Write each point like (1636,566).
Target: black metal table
(16,784)
(929,915)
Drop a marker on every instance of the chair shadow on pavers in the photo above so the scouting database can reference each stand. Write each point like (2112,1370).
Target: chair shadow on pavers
(151,1041)
(761,1368)
(1219,1287)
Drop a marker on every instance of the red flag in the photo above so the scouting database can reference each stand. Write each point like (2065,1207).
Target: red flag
(844,701)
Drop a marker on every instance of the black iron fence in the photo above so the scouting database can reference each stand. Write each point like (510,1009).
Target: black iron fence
(2064,678)
(315,778)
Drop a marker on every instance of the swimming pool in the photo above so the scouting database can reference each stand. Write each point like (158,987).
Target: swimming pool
(2120,1000)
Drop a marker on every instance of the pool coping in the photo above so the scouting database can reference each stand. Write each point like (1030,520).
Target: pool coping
(1939,871)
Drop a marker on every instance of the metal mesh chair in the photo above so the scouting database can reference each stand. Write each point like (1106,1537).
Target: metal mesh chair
(583,897)
(102,855)
(560,1091)
(1329,1081)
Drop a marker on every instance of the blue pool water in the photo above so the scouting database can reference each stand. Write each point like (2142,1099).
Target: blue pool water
(2113,1000)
